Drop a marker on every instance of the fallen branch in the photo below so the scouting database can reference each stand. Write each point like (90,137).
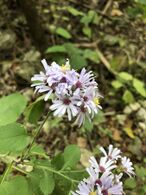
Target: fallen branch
(107,6)
(99,53)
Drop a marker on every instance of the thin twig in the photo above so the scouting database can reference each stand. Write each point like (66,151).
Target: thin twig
(99,53)
(88,45)
(108,4)
(104,61)
(109,113)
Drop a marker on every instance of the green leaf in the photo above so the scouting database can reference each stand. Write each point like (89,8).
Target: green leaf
(38,150)
(128,97)
(125,76)
(34,179)
(139,86)
(63,32)
(141,1)
(117,84)
(42,178)
(87,31)
(76,58)
(88,18)
(47,183)
(140,171)
(13,138)
(34,111)
(91,55)
(62,186)
(72,49)
(18,185)
(56,49)
(130,183)
(144,188)
(78,61)
(113,40)
(58,161)
(71,155)
(11,107)
(74,11)
(88,125)
(118,62)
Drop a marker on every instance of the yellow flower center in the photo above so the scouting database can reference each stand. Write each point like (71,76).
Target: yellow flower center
(92,193)
(65,67)
(96,101)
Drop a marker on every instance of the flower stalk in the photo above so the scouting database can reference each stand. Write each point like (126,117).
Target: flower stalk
(27,152)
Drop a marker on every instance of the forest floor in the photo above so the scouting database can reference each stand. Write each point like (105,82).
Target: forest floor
(110,38)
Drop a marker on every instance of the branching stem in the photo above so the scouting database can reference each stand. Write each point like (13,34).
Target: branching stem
(10,166)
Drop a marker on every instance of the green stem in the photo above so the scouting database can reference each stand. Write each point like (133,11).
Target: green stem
(6,172)
(20,170)
(35,136)
(73,171)
(59,173)
(10,166)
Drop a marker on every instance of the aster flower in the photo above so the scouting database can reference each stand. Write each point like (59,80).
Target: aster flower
(113,153)
(103,166)
(72,77)
(91,100)
(127,166)
(88,105)
(75,95)
(64,104)
(86,79)
(103,179)
(82,116)
(107,182)
(84,189)
(41,85)
(99,186)
(109,186)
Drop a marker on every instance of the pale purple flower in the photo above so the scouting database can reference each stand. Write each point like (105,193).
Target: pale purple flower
(103,179)
(94,176)
(72,77)
(127,166)
(75,95)
(54,74)
(109,186)
(103,166)
(90,100)
(82,116)
(62,88)
(86,79)
(103,185)
(85,188)
(113,153)
(41,86)
(64,105)
(88,105)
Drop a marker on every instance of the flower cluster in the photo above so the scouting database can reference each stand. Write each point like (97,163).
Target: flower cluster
(105,176)
(75,95)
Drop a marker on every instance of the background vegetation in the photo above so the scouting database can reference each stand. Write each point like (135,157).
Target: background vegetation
(106,36)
